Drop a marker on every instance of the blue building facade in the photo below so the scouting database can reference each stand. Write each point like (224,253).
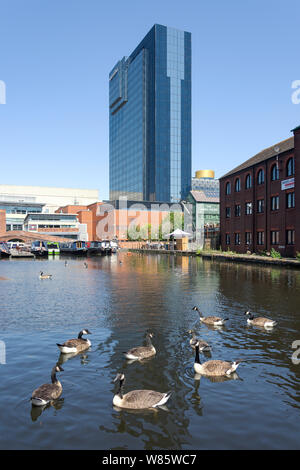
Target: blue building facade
(150,119)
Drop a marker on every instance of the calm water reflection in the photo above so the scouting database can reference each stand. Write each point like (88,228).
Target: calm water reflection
(118,303)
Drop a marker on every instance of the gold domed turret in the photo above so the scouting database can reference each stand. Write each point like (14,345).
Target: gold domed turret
(205,174)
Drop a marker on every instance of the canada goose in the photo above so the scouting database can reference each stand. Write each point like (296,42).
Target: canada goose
(260,321)
(215,321)
(45,276)
(85,265)
(142,352)
(213,368)
(138,399)
(75,345)
(48,392)
(203,345)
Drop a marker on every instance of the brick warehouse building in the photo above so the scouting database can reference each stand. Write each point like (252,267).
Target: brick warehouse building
(260,201)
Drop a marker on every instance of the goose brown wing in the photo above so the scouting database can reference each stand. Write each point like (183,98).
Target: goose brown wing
(47,392)
(73,343)
(216,367)
(141,351)
(212,319)
(142,398)
(261,320)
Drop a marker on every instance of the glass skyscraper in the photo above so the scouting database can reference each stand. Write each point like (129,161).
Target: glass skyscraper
(150,119)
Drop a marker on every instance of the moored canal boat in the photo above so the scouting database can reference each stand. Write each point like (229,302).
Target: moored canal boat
(114,246)
(39,248)
(4,250)
(94,248)
(53,248)
(75,247)
(105,247)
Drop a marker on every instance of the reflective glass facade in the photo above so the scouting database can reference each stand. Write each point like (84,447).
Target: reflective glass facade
(210,186)
(150,119)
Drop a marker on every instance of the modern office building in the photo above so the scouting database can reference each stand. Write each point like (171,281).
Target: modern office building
(204,180)
(260,201)
(205,202)
(56,224)
(150,119)
(17,211)
(50,198)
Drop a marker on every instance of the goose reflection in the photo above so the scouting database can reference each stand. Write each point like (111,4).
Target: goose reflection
(218,379)
(63,358)
(216,327)
(144,411)
(36,411)
(196,398)
(141,361)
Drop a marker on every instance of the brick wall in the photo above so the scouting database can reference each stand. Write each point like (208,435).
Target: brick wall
(70,209)
(86,217)
(2,221)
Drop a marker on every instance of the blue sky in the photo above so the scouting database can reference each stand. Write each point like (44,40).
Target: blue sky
(55,57)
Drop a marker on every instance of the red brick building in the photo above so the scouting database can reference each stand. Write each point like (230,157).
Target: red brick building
(2,221)
(260,201)
(104,221)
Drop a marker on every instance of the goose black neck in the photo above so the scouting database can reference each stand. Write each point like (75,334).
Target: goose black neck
(121,388)
(53,376)
(80,335)
(197,358)
(200,314)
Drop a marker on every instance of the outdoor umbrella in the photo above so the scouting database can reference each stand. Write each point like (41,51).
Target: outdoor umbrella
(179,234)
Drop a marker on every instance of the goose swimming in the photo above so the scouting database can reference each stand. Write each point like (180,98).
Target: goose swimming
(75,345)
(48,392)
(138,399)
(215,367)
(260,321)
(142,352)
(214,321)
(203,345)
(45,276)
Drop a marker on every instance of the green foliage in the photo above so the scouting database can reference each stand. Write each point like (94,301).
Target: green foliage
(275,254)
(298,255)
(138,233)
(170,223)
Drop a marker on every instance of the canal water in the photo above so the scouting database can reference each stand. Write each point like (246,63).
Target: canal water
(119,303)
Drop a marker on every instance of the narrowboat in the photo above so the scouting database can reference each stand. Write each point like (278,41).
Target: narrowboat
(114,246)
(94,248)
(53,248)
(39,248)
(4,250)
(105,247)
(75,247)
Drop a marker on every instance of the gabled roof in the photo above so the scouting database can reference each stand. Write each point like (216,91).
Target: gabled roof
(200,196)
(265,154)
